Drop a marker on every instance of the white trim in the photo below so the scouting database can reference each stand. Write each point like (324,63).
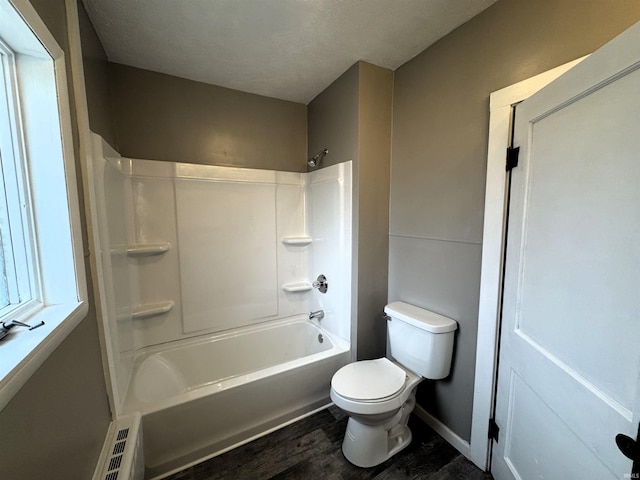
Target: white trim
(445,432)
(46,40)
(491,270)
(71,177)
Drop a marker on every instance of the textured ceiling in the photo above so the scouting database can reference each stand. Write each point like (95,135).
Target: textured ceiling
(287,49)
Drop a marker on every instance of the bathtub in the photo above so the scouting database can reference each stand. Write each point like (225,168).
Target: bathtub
(203,396)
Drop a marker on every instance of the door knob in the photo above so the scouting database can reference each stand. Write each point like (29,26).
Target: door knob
(628,446)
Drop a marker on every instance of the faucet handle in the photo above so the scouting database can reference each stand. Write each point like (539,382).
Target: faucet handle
(321,283)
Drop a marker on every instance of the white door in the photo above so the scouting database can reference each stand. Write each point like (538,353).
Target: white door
(570,346)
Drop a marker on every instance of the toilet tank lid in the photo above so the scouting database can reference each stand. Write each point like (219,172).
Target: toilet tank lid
(420,318)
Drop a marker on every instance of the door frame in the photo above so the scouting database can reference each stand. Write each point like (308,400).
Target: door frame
(492,255)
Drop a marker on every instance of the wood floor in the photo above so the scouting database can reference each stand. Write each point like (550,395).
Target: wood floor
(311,450)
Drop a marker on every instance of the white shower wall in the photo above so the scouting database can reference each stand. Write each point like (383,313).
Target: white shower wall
(329,214)
(230,260)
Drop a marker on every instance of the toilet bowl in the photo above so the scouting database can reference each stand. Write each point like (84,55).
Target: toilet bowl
(372,387)
(379,395)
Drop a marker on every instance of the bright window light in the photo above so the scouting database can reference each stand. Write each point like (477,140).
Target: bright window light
(19,277)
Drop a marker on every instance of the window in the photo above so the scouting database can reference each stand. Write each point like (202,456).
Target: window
(41,258)
(18,279)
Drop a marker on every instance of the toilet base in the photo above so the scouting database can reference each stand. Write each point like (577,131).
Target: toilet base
(370,445)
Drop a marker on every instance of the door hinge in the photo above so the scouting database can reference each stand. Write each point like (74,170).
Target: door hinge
(494,430)
(512,157)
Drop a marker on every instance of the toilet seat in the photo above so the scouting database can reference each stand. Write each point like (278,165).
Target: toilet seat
(369,380)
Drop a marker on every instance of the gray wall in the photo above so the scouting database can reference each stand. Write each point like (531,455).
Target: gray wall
(376,100)
(161,117)
(352,118)
(96,77)
(332,120)
(440,133)
(55,425)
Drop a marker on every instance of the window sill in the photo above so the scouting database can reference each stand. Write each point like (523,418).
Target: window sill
(23,351)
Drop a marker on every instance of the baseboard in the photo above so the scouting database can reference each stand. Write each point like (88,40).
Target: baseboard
(445,432)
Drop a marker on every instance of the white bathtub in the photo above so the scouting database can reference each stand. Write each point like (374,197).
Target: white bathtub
(200,397)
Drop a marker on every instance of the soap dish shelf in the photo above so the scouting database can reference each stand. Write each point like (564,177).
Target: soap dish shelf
(296,287)
(152,309)
(298,241)
(147,250)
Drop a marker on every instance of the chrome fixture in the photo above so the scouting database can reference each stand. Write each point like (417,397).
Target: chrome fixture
(321,283)
(317,158)
(319,314)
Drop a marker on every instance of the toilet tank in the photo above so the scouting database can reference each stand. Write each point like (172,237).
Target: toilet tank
(420,340)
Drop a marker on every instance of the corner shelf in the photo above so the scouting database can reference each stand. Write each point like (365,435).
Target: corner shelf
(152,309)
(147,250)
(299,241)
(296,287)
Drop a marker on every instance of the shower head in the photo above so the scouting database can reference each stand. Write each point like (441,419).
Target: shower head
(317,158)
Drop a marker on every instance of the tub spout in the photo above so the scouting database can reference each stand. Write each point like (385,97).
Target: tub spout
(319,314)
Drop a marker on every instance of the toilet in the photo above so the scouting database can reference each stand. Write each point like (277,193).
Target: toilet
(378,395)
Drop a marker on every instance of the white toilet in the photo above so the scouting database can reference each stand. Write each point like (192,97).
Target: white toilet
(378,395)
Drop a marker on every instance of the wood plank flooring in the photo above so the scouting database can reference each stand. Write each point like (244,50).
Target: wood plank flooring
(311,449)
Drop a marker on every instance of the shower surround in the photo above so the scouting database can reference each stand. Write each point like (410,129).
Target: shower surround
(202,265)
